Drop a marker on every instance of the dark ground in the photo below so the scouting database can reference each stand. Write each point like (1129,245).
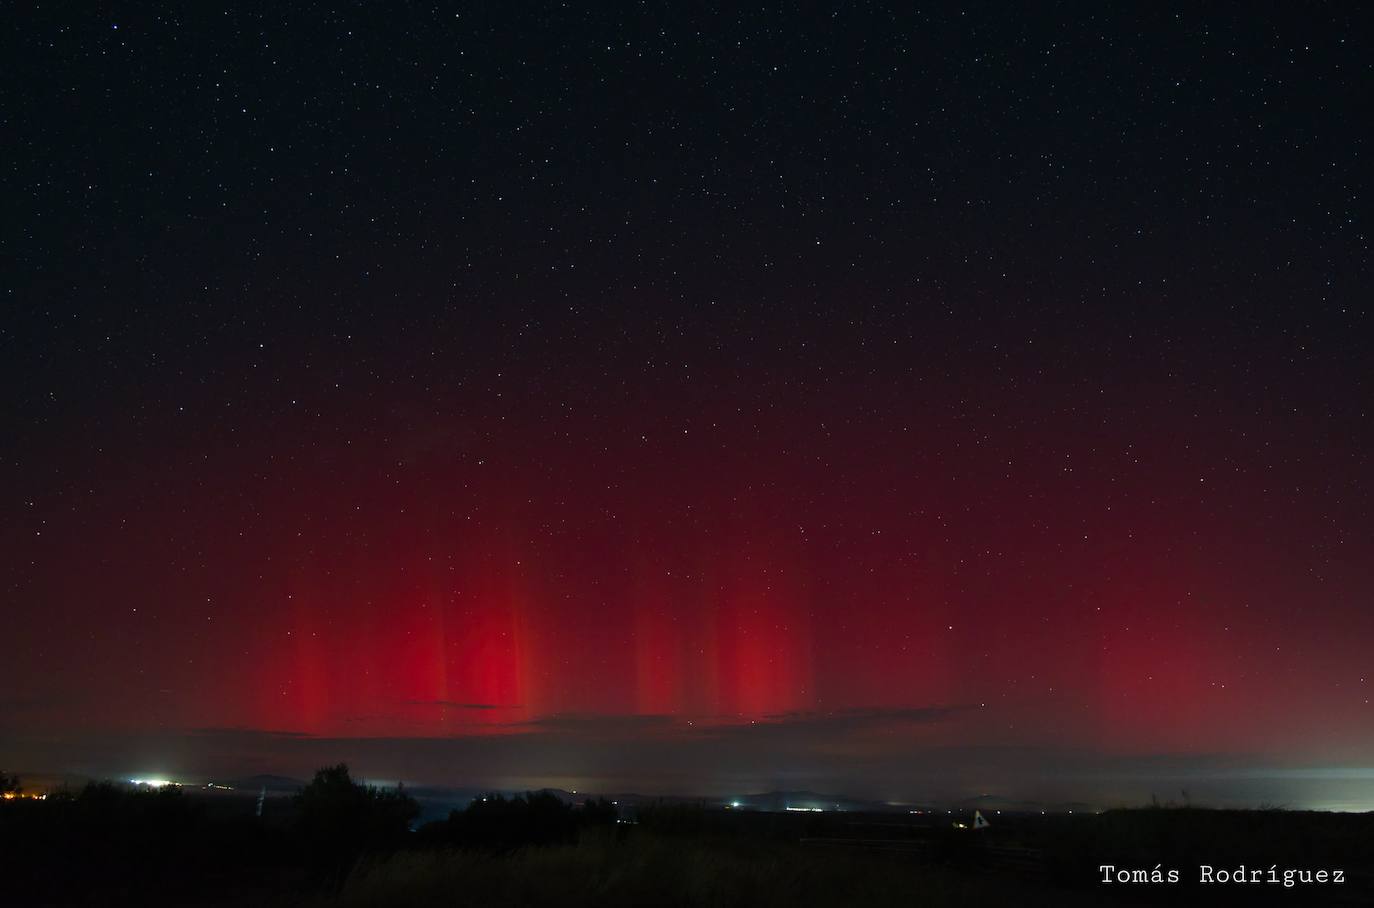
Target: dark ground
(107,846)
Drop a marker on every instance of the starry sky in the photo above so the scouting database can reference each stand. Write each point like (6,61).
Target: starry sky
(630,395)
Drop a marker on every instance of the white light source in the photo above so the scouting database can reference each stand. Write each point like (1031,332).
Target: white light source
(152,783)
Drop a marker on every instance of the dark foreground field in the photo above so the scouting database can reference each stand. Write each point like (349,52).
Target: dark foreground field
(343,844)
(655,869)
(877,860)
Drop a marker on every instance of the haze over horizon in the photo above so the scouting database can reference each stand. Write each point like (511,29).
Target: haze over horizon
(741,764)
(900,406)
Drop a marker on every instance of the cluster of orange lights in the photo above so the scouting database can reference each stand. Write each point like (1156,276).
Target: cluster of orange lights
(16,796)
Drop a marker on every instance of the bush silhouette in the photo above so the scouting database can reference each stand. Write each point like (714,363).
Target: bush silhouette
(498,823)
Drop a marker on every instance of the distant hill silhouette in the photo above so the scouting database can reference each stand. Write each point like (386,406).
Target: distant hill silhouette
(273,784)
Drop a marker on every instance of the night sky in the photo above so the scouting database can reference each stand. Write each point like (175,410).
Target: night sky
(963,400)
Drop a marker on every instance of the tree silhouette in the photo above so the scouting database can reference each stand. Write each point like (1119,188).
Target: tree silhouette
(9,785)
(340,818)
(600,812)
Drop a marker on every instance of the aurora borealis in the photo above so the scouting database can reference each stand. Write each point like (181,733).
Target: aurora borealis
(628,399)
